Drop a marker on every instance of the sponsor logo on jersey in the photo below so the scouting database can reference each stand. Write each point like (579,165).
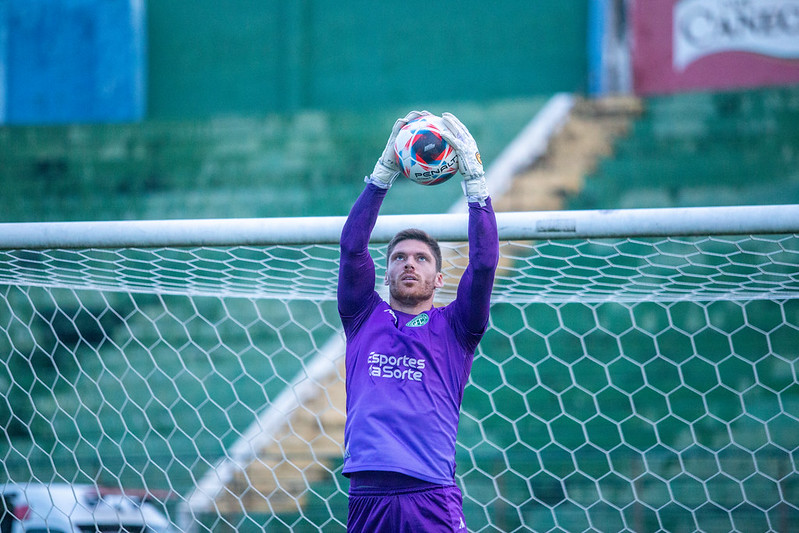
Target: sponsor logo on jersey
(395,367)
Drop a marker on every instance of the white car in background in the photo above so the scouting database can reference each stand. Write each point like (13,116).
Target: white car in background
(67,508)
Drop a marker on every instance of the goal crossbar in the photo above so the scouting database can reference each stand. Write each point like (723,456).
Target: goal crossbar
(554,225)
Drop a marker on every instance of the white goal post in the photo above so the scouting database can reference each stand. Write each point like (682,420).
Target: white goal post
(640,371)
(674,222)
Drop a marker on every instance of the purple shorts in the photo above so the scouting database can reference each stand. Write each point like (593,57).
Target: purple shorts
(393,503)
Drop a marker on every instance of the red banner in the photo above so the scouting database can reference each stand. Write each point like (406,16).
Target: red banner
(681,45)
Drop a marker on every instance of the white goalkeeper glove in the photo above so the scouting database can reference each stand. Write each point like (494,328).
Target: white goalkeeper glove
(387,168)
(471,166)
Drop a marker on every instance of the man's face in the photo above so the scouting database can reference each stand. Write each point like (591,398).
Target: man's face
(411,275)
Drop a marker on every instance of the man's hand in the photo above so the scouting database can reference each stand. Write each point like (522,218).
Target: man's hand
(387,168)
(471,166)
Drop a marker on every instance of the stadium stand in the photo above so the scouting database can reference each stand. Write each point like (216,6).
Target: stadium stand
(703,149)
(218,168)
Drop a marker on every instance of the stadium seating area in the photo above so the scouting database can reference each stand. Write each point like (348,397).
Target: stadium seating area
(704,149)
(281,165)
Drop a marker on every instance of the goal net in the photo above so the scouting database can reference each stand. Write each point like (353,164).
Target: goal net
(639,372)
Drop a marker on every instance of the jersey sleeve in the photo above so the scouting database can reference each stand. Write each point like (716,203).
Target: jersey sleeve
(356,280)
(470,309)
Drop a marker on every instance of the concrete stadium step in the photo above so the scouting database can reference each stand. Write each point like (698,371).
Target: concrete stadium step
(589,135)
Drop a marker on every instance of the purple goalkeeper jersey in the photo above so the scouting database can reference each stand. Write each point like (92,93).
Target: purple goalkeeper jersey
(406,374)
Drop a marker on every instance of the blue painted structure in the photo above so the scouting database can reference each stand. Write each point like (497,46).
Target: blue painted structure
(72,61)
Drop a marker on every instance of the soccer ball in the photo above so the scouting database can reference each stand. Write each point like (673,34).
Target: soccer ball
(423,154)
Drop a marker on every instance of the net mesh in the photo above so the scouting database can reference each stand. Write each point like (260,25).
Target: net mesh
(667,269)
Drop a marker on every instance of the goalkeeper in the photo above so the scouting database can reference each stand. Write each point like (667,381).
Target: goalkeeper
(408,362)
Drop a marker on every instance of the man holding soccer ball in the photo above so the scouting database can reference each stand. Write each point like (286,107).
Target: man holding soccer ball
(407,362)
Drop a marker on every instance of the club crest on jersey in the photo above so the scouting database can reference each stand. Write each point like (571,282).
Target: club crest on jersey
(418,321)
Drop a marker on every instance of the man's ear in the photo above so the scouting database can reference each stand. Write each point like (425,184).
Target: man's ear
(385,278)
(439,280)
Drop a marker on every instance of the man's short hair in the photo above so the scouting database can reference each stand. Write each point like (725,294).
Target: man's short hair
(416,235)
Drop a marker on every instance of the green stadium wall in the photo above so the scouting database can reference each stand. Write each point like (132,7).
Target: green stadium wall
(208,58)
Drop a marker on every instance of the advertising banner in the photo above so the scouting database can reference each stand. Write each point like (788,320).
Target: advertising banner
(681,45)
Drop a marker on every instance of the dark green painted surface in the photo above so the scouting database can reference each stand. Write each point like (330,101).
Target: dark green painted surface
(251,56)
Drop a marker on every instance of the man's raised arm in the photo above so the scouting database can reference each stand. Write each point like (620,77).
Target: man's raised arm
(356,279)
(474,290)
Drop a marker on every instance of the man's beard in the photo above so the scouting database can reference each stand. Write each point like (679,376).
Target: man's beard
(409,296)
